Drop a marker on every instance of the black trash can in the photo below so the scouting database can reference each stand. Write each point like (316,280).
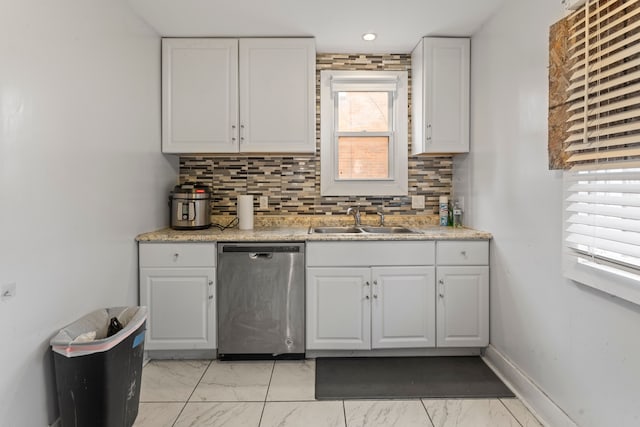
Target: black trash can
(98,377)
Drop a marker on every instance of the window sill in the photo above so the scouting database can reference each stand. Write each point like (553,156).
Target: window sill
(624,288)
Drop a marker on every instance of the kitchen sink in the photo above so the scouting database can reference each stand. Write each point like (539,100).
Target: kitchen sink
(334,230)
(387,230)
(364,229)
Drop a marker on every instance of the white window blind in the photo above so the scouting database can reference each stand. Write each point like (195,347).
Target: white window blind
(602,209)
(365,83)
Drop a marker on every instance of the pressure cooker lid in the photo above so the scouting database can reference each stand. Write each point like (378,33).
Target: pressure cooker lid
(192,191)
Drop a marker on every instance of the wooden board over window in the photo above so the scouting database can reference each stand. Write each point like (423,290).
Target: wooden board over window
(558,82)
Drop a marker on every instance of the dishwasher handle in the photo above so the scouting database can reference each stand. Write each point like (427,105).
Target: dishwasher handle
(230,248)
(263,255)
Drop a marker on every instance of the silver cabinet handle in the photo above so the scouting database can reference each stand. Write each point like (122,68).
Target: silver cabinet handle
(210,297)
(241,133)
(366,283)
(375,282)
(375,296)
(427,131)
(463,253)
(441,288)
(210,282)
(175,256)
(366,297)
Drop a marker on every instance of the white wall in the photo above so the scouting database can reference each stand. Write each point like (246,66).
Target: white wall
(81,175)
(581,347)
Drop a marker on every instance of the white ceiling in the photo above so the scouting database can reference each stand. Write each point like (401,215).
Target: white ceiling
(337,25)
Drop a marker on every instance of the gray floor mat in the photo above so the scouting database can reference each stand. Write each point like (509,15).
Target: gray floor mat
(406,377)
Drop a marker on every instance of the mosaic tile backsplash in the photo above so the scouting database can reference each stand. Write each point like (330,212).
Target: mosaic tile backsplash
(292,182)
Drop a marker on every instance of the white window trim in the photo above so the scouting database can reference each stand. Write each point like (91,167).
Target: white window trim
(330,81)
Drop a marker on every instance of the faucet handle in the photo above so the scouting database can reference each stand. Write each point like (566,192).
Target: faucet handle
(381,218)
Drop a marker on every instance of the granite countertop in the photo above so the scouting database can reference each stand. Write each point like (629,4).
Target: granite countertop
(300,232)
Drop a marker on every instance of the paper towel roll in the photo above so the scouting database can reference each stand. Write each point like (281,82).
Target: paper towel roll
(245,212)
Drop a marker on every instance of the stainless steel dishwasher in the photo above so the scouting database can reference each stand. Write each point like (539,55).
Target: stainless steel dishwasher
(260,300)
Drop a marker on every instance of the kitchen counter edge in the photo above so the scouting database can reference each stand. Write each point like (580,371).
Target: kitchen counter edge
(299,234)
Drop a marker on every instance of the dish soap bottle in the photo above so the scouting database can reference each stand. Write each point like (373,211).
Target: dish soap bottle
(457,215)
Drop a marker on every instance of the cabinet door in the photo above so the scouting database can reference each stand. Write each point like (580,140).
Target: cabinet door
(181,308)
(441,120)
(277,95)
(463,306)
(199,95)
(338,309)
(403,311)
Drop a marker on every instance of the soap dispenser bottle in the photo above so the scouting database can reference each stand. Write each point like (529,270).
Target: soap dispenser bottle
(457,215)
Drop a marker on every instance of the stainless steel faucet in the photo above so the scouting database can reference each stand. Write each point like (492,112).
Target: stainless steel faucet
(356,215)
(381,218)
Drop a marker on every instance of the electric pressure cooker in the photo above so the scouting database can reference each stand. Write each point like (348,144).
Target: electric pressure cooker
(190,206)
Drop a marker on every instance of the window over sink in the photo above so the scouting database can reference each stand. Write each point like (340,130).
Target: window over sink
(363,145)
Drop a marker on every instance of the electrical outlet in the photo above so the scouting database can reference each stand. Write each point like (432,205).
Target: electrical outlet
(8,291)
(417,202)
(264,202)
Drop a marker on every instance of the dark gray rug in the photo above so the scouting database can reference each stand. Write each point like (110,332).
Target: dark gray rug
(406,377)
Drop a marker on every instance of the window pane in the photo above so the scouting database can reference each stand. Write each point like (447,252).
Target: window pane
(363,111)
(363,157)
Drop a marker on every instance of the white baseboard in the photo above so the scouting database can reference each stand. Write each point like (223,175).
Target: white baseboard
(540,405)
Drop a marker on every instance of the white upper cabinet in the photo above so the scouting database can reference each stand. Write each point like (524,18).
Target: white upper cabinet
(199,95)
(440,95)
(277,95)
(246,95)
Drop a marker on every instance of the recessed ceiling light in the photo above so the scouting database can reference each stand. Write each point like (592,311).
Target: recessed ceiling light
(369,36)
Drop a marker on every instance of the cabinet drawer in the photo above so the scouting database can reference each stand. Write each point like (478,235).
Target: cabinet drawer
(177,254)
(366,254)
(463,253)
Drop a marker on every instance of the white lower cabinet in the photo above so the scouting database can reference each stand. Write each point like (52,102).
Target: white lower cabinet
(383,295)
(177,284)
(354,306)
(463,294)
(364,308)
(402,307)
(338,313)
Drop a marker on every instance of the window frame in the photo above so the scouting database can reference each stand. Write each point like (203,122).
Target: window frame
(601,197)
(397,183)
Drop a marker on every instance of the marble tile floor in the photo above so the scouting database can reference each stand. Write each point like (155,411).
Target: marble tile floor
(205,393)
